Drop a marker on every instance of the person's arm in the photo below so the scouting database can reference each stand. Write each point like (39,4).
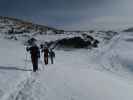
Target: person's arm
(42,50)
(27,49)
(53,54)
(38,52)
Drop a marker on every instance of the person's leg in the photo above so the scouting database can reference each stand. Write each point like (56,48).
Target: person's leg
(33,63)
(52,61)
(34,67)
(36,63)
(45,60)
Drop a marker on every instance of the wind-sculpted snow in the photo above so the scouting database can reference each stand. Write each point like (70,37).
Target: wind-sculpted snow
(117,56)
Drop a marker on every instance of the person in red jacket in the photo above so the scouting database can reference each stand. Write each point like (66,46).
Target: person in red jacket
(35,55)
(46,54)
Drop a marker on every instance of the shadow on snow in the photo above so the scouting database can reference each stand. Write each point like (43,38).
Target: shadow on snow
(13,68)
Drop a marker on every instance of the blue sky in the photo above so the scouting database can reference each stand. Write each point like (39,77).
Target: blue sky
(71,14)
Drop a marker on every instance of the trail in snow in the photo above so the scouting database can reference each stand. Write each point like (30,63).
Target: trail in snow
(72,77)
(12,66)
(68,83)
(117,56)
(26,84)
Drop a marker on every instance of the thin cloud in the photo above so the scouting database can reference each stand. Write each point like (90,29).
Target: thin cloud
(69,13)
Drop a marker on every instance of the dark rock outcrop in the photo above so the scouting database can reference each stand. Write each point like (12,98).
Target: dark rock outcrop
(128,30)
(74,42)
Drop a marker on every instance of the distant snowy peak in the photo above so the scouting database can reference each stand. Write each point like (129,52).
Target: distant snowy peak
(24,31)
(16,26)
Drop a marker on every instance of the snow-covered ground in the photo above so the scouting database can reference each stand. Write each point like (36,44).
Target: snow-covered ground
(117,56)
(76,75)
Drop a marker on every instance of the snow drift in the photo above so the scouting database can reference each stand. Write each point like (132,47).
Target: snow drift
(117,56)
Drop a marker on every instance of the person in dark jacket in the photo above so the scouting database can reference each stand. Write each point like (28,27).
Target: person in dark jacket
(52,55)
(35,55)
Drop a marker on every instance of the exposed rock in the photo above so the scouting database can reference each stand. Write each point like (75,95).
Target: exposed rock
(128,30)
(74,42)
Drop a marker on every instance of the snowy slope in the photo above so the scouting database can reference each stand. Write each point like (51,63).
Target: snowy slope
(19,30)
(12,67)
(74,76)
(12,25)
(102,73)
(73,80)
(117,56)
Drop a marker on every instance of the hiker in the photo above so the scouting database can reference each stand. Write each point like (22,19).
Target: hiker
(52,55)
(46,52)
(35,55)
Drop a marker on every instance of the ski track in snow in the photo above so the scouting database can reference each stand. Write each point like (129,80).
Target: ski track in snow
(28,84)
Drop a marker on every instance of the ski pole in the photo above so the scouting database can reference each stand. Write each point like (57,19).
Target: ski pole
(25,59)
